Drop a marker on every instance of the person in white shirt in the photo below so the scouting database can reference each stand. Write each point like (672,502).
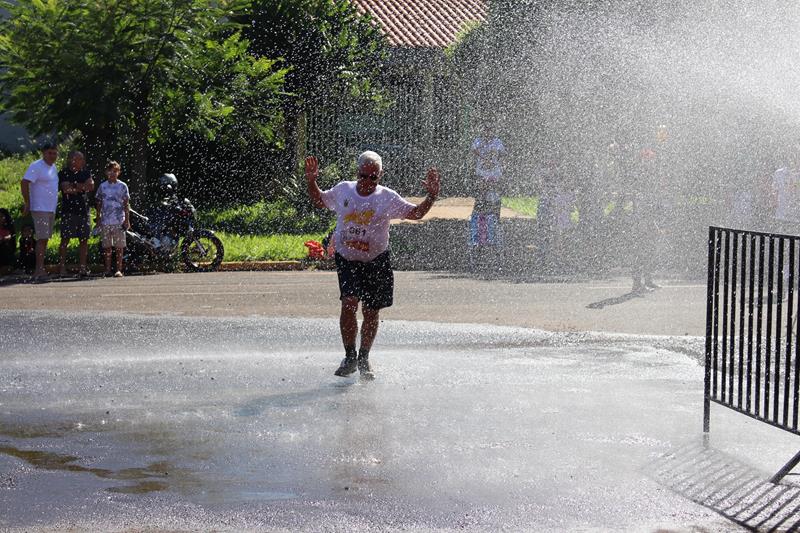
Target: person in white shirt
(484,223)
(786,200)
(40,196)
(364,209)
(489,151)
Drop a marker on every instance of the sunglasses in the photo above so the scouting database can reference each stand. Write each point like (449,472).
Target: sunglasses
(373,177)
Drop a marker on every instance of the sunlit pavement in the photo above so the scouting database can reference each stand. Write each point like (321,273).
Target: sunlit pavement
(117,421)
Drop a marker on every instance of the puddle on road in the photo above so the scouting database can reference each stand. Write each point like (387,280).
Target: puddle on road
(34,431)
(143,477)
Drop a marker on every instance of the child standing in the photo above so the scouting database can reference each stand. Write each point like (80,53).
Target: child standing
(114,214)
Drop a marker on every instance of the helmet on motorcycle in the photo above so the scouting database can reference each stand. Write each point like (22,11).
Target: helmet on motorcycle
(168,183)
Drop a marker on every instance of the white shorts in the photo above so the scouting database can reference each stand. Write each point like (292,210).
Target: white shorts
(113,236)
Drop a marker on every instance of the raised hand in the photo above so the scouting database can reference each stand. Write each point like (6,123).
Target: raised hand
(432,182)
(312,168)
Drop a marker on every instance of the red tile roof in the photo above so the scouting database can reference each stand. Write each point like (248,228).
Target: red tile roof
(423,23)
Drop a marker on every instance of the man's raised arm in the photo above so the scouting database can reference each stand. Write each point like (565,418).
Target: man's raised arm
(312,173)
(431,185)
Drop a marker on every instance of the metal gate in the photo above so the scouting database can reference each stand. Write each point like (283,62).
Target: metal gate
(752,359)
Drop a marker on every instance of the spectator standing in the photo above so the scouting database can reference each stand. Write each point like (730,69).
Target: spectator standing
(364,209)
(489,152)
(645,231)
(40,195)
(76,183)
(557,199)
(786,206)
(786,199)
(8,242)
(114,215)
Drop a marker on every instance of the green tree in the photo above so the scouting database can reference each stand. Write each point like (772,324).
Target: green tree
(334,52)
(121,71)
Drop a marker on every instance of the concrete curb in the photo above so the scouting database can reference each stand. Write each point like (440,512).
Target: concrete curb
(230,266)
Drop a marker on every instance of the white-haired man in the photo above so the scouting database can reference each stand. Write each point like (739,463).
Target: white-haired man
(361,239)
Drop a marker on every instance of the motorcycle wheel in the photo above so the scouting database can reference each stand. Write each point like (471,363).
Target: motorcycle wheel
(203,252)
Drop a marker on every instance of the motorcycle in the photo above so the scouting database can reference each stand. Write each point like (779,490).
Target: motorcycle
(169,234)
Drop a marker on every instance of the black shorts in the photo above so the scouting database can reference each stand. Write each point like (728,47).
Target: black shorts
(75,226)
(372,283)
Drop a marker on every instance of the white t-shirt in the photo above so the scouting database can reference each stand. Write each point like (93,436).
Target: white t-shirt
(43,187)
(362,224)
(488,165)
(786,184)
(112,196)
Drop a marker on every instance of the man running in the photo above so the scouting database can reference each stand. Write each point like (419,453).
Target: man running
(361,239)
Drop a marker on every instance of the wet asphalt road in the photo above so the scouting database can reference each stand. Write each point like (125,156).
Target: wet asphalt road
(118,421)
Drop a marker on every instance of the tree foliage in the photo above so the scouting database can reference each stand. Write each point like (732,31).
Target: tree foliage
(333,50)
(128,73)
(213,90)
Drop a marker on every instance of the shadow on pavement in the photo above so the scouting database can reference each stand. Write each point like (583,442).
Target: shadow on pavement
(616,300)
(717,481)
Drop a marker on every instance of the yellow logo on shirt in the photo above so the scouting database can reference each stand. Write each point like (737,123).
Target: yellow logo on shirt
(362,218)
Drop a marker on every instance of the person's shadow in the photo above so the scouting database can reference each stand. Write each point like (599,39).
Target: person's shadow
(616,300)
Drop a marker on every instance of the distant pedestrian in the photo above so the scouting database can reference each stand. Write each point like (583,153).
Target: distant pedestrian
(786,199)
(554,223)
(76,183)
(364,209)
(114,216)
(645,230)
(8,242)
(40,195)
(489,152)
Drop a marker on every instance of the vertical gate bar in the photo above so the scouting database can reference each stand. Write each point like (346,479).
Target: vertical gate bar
(732,341)
(787,353)
(750,301)
(725,277)
(768,347)
(796,347)
(742,308)
(776,389)
(709,329)
(715,347)
(759,322)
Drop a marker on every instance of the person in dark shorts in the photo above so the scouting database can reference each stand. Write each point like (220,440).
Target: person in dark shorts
(361,239)
(75,183)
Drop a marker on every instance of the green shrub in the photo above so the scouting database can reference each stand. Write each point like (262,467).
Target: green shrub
(524,205)
(11,171)
(266,218)
(266,247)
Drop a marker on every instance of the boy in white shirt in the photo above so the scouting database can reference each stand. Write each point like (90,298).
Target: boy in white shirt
(114,216)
